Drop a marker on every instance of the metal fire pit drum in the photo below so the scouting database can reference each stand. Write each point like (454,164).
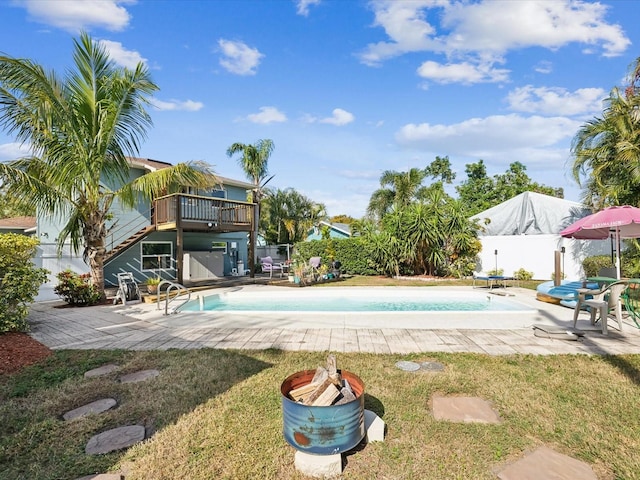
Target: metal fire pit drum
(322,430)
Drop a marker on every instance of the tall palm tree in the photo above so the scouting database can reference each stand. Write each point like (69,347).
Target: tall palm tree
(254,161)
(80,129)
(606,150)
(398,189)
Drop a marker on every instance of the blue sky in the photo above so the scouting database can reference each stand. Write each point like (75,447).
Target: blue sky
(349,89)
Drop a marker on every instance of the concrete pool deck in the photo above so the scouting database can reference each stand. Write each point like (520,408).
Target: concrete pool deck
(141,326)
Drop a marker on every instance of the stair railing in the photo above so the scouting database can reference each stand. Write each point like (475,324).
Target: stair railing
(132,226)
(180,291)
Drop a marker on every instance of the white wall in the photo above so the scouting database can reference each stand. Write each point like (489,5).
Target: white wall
(47,257)
(535,253)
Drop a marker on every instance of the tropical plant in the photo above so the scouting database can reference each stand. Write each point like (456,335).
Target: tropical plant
(397,190)
(606,150)
(255,164)
(80,129)
(288,216)
(77,289)
(432,237)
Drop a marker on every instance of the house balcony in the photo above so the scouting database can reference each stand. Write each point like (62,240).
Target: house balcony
(194,213)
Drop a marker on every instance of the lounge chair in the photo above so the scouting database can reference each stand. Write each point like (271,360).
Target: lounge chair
(602,301)
(491,280)
(314,266)
(268,265)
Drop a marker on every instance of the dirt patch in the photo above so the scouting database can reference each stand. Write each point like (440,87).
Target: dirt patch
(18,350)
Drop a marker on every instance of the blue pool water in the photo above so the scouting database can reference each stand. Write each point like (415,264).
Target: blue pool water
(340,302)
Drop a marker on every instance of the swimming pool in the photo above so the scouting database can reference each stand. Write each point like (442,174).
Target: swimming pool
(354,299)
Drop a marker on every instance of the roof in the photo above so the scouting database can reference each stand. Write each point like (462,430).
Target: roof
(530,213)
(17,223)
(153,165)
(341,227)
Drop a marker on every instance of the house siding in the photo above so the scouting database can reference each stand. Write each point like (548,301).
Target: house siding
(131,259)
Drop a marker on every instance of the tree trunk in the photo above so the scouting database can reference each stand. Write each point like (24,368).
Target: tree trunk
(94,251)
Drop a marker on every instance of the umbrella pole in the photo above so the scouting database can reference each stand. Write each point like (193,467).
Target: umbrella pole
(618,253)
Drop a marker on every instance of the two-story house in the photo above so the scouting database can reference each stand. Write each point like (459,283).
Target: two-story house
(186,237)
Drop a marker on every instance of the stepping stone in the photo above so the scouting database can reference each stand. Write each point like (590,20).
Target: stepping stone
(96,407)
(103,370)
(140,376)
(463,409)
(408,366)
(432,366)
(115,439)
(547,463)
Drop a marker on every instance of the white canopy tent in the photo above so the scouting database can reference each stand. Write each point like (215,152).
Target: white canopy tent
(523,232)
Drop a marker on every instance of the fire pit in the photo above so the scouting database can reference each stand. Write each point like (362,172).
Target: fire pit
(327,429)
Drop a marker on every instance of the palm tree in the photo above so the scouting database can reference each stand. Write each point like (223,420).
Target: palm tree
(606,150)
(81,128)
(398,189)
(254,161)
(290,215)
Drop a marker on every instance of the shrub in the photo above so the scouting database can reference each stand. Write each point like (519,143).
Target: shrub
(522,274)
(354,254)
(496,273)
(76,289)
(592,265)
(20,280)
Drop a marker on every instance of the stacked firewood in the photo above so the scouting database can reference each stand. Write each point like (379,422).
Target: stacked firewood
(327,387)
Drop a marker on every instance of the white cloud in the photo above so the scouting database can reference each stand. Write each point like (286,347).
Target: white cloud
(479,34)
(267,115)
(478,137)
(122,56)
(405,24)
(556,101)
(502,26)
(73,15)
(303,6)
(544,67)
(14,150)
(340,117)
(464,72)
(177,105)
(238,57)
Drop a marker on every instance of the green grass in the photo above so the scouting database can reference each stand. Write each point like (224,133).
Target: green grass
(217,414)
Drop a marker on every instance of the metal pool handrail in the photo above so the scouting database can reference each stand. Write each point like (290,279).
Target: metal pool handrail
(175,286)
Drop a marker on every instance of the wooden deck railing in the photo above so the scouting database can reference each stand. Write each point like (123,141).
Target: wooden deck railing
(193,212)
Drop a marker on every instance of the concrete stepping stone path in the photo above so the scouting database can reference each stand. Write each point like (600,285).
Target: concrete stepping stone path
(115,439)
(96,407)
(140,376)
(463,409)
(547,463)
(103,370)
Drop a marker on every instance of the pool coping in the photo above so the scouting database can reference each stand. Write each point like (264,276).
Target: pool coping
(142,327)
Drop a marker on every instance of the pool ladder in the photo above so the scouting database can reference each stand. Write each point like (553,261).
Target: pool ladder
(180,291)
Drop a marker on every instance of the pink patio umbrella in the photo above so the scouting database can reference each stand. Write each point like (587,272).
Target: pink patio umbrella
(620,221)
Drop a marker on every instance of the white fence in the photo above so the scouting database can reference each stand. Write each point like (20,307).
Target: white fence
(536,254)
(47,257)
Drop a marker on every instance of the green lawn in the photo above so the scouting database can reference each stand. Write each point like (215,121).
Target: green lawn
(216,414)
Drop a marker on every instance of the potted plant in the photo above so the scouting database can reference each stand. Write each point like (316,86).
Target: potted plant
(298,267)
(152,285)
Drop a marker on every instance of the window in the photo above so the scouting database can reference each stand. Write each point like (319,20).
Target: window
(219,247)
(157,255)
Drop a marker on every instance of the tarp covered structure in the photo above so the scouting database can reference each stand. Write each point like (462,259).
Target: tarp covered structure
(531,213)
(524,231)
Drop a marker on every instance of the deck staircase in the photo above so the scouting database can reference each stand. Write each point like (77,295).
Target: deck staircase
(121,247)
